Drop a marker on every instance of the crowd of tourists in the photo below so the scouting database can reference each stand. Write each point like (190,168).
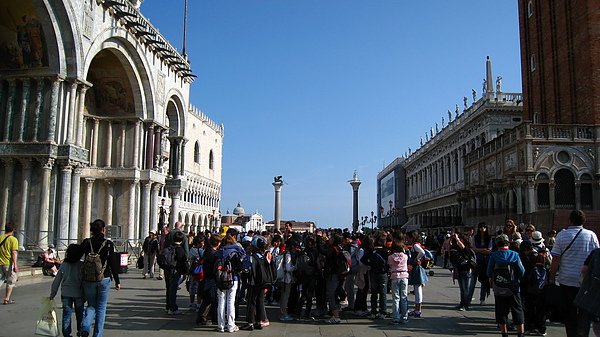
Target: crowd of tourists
(316,276)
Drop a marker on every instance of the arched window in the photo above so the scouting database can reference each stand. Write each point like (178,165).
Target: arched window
(197,153)
(564,193)
(543,191)
(211,160)
(586,191)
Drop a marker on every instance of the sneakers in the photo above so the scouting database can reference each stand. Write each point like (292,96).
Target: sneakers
(334,320)
(286,318)
(380,316)
(234,329)
(415,314)
(174,312)
(264,323)
(395,321)
(220,329)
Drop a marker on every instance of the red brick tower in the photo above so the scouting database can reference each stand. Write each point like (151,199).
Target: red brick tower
(560,60)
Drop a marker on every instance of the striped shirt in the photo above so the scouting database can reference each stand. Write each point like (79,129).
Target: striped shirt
(572,261)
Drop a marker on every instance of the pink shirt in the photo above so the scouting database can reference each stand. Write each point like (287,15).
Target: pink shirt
(398,265)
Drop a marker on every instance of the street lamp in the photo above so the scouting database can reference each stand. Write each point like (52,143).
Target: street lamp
(372,219)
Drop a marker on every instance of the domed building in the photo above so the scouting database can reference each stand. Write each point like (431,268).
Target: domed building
(242,221)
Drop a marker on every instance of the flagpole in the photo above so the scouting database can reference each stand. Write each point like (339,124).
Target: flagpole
(184,28)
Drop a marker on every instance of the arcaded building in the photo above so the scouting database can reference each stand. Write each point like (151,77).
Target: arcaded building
(96,122)
(435,172)
(550,164)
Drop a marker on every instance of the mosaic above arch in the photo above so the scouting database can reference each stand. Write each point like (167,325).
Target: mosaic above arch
(22,42)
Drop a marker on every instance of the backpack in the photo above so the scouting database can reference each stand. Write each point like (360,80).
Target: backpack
(503,282)
(464,260)
(92,268)
(166,259)
(354,255)
(279,266)
(343,262)
(224,273)
(197,268)
(264,271)
(377,263)
(305,267)
(538,275)
(427,257)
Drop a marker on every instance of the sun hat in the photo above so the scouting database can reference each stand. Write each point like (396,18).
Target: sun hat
(536,238)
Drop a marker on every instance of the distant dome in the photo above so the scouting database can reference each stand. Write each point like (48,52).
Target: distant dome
(238,210)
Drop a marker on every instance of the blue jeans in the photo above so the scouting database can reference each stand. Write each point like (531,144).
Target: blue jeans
(378,291)
(171,283)
(96,294)
(465,284)
(69,305)
(400,298)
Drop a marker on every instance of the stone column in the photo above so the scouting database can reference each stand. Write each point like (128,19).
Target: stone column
(87,209)
(577,195)
(122,145)
(131,232)
(355,183)
(145,208)
(519,198)
(182,157)
(136,147)
(53,108)
(9,168)
(12,88)
(80,111)
(531,204)
(157,147)
(37,110)
(277,185)
(74,208)
(23,224)
(43,233)
(23,112)
(71,118)
(551,196)
(94,147)
(109,201)
(154,207)
(109,145)
(175,198)
(63,206)
(150,148)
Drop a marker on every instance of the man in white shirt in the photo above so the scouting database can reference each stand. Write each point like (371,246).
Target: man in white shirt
(570,250)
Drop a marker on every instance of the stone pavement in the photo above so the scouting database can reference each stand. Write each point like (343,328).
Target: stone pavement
(137,310)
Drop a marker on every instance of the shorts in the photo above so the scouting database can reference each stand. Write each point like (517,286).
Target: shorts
(506,304)
(8,276)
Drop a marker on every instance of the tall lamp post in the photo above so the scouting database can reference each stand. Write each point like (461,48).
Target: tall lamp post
(355,183)
(372,219)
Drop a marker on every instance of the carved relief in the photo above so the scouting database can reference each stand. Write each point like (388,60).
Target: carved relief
(474,176)
(510,161)
(490,170)
(112,95)
(160,90)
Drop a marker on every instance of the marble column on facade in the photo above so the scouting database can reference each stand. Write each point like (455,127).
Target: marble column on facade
(551,196)
(37,109)
(157,147)
(56,82)
(71,122)
(23,225)
(175,207)
(9,167)
(109,201)
(136,147)
(145,207)
(94,145)
(63,206)
(122,145)
(87,208)
(531,199)
(577,195)
(182,157)
(108,159)
(24,104)
(519,191)
(149,148)
(74,208)
(79,115)
(132,234)
(12,88)
(154,206)
(44,216)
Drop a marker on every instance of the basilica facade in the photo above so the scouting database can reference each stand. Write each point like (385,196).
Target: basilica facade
(96,122)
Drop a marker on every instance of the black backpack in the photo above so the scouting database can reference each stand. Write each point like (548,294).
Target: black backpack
(503,282)
(537,279)
(378,263)
(264,272)
(166,259)
(224,273)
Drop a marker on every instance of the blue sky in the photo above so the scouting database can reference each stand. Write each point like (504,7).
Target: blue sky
(315,89)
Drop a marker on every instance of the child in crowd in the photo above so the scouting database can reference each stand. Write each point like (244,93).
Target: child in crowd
(68,278)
